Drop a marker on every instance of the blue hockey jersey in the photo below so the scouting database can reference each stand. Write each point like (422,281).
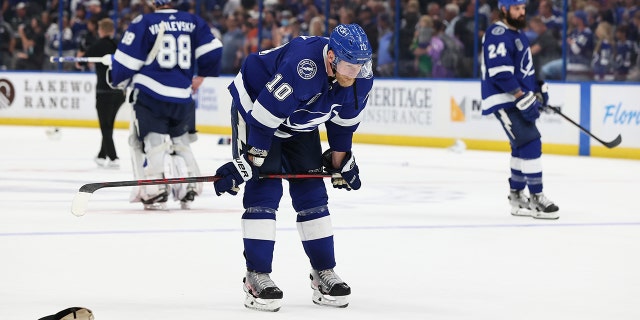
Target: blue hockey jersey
(507,66)
(285,91)
(187,44)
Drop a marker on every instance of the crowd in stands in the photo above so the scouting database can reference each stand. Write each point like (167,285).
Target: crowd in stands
(436,37)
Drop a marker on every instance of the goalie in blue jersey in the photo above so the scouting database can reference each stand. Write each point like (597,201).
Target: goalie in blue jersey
(157,57)
(280,98)
(511,93)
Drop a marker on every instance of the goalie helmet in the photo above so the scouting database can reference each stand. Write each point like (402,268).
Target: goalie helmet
(508,3)
(353,52)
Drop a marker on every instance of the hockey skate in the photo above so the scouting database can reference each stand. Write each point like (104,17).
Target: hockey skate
(157,202)
(262,292)
(185,202)
(519,203)
(543,208)
(329,289)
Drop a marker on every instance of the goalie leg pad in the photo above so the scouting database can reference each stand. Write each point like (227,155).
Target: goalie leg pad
(186,166)
(156,148)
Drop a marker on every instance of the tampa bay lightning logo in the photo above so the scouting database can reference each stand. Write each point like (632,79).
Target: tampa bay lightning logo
(342,30)
(307,69)
(526,64)
(498,30)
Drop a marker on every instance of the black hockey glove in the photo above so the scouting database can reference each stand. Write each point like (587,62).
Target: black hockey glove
(347,176)
(234,174)
(529,106)
(543,93)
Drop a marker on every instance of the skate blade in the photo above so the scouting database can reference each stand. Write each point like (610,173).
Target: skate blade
(330,301)
(545,215)
(270,305)
(155,206)
(521,212)
(185,205)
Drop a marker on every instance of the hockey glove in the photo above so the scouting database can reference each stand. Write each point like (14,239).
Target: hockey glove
(529,106)
(347,176)
(234,174)
(543,93)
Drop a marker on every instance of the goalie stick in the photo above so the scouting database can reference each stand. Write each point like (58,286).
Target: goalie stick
(81,199)
(106,59)
(611,144)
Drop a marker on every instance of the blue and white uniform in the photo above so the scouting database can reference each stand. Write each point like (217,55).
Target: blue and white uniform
(280,98)
(508,68)
(159,55)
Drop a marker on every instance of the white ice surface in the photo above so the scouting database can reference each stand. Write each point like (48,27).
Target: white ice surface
(429,236)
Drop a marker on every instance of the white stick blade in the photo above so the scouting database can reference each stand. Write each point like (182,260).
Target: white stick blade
(80,203)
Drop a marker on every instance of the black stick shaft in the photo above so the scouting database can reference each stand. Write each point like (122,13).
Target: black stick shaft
(615,142)
(92,187)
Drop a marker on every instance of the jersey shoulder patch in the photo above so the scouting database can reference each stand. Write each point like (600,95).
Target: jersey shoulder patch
(307,69)
(137,19)
(498,30)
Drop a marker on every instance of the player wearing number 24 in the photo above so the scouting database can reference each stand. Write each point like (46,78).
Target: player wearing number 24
(511,93)
(158,56)
(280,98)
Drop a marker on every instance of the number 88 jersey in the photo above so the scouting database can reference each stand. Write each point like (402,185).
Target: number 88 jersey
(160,52)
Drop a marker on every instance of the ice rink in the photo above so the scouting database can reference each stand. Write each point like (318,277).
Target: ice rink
(429,236)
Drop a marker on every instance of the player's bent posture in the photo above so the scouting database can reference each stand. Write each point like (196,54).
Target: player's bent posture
(511,93)
(280,97)
(158,54)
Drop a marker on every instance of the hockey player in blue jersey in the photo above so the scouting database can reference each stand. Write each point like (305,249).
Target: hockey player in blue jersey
(511,93)
(280,98)
(158,56)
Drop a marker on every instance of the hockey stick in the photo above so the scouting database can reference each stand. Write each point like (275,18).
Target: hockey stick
(156,45)
(81,199)
(611,144)
(106,59)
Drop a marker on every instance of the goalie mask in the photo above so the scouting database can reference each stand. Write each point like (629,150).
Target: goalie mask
(352,51)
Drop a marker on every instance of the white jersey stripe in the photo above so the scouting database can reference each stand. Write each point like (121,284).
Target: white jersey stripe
(160,88)
(258,111)
(495,70)
(128,61)
(208,47)
(497,99)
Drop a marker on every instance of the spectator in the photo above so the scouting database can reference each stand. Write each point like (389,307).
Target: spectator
(580,44)
(385,62)
(545,47)
(465,32)
(317,26)
(53,42)
(624,51)
(7,45)
(435,49)
(94,10)
(232,51)
(421,40)
(604,53)
(86,39)
(553,21)
(31,56)
(451,16)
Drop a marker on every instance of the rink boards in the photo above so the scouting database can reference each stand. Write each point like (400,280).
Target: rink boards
(412,112)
